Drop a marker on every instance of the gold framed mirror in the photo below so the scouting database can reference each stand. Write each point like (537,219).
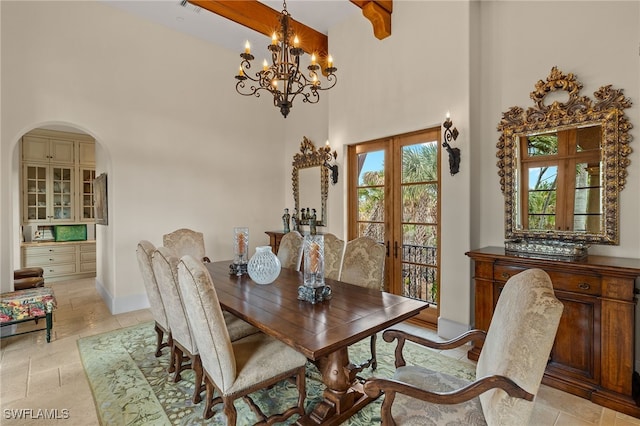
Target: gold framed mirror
(562,166)
(310,180)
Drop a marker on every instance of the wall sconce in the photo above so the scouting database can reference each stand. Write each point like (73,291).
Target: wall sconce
(454,153)
(333,168)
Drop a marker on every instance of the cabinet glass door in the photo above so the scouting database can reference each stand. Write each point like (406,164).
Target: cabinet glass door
(86,201)
(35,193)
(62,182)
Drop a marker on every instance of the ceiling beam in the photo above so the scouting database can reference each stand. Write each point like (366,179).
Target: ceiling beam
(265,20)
(378,12)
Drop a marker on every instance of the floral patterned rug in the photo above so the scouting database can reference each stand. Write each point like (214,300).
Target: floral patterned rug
(132,387)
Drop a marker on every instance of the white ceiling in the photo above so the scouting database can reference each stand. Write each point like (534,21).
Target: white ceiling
(318,14)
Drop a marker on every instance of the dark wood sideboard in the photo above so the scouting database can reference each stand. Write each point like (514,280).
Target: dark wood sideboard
(593,354)
(274,239)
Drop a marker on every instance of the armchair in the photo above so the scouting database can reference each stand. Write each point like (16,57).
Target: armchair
(508,373)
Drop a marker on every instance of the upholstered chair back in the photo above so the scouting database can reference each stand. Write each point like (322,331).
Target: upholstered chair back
(165,268)
(144,251)
(518,344)
(207,322)
(333,251)
(185,242)
(363,263)
(290,250)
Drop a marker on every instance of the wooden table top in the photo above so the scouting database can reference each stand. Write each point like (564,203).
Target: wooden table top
(352,314)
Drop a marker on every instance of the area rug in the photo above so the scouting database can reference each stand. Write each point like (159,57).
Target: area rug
(132,387)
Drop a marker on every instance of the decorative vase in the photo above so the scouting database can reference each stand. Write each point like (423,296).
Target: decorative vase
(264,266)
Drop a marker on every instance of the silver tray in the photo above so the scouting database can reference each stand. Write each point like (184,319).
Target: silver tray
(547,249)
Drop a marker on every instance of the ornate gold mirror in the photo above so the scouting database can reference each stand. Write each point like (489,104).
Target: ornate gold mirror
(563,165)
(310,178)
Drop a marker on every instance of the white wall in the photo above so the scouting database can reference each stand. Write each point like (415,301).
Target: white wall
(180,147)
(408,82)
(598,42)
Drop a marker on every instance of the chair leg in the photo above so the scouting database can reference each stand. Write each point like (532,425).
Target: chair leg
(374,360)
(197,369)
(302,389)
(179,357)
(208,408)
(159,337)
(172,358)
(230,411)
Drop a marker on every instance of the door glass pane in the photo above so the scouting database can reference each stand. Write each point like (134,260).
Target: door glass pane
(546,144)
(588,139)
(371,204)
(420,162)
(587,209)
(371,214)
(371,168)
(419,217)
(542,197)
(420,203)
(372,230)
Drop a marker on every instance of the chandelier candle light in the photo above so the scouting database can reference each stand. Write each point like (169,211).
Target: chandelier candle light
(283,78)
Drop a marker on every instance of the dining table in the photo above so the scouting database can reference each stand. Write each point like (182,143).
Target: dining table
(322,331)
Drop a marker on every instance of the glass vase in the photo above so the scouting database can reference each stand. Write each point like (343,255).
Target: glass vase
(264,266)
(314,260)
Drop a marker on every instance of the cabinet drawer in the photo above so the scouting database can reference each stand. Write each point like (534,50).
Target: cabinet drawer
(49,249)
(88,267)
(88,256)
(88,248)
(51,270)
(52,259)
(562,281)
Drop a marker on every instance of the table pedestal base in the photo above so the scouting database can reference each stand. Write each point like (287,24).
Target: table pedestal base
(344,395)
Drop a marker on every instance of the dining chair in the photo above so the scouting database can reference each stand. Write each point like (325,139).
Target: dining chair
(363,265)
(165,267)
(186,241)
(144,251)
(235,368)
(333,252)
(508,373)
(290,250)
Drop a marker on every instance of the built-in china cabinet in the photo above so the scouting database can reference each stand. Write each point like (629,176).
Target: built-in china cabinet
(58,170)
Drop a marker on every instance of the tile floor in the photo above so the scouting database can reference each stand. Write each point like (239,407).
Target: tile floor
(35,375)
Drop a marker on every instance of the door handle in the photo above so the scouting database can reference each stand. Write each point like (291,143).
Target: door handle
(395,249)
(387,248)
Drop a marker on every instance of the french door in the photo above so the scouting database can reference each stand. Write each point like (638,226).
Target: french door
(394,197)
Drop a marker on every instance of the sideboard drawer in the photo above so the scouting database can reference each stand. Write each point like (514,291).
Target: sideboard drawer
(562,281)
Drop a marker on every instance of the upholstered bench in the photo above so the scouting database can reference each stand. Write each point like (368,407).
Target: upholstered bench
(28,305)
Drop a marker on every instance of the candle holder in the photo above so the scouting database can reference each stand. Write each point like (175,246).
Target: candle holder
(314,289)
(240,251)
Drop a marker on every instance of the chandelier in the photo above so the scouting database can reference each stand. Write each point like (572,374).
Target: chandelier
(283,78)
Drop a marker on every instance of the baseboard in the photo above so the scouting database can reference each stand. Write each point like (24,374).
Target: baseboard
(120,305)
(448,329)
